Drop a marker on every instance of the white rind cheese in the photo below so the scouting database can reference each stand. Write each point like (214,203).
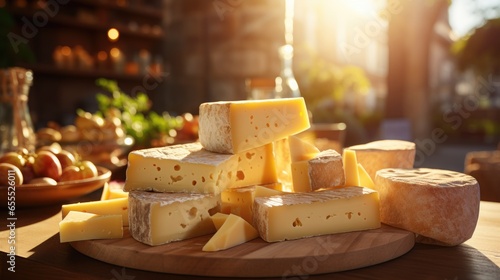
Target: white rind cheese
(299,215)
(382,154)
(190,168)
(237,126)
(159,218)
(439,206)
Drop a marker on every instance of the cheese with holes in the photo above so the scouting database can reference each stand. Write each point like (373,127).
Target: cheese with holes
(299,215)
(190,168)
(439,206)
(385,154)
(159,218)
(118,206)
(236,126)
(240,201)
(325,170)
(218,219)
(233,232)
(78,226)
(350,167)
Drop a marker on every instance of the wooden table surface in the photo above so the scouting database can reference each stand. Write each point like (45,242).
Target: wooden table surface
(40,255)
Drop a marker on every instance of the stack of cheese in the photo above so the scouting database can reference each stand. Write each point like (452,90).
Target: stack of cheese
(175,191)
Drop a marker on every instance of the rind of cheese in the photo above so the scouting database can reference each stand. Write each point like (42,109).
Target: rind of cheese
(159,218)
(323,171)
(439,206)
(236,126)
(233,232)
(382,154)
(78,226)
(299,215)
(118,206)
(190,168)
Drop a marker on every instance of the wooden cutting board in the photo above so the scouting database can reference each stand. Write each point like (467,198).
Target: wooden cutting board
(257,258)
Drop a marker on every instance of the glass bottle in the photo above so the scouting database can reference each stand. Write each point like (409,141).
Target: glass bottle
(16,127)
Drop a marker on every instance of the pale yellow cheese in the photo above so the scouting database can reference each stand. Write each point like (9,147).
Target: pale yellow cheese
(364,178)
(218,219)
(112,190)
(301,150)
(233,232)
(382,154)
(159,218)
(325,170)
(78,226)
(268,190)
(439,206)
(283,162)
(118,206)
(237,126)
(190,168)
(299,215)
(350,168)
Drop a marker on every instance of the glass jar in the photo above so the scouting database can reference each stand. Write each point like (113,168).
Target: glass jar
(16,127)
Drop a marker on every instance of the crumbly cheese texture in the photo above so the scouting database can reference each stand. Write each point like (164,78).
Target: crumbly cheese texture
(159,218)
(234,231)
(299,215)
(118,206)
(325,170)
(439,206)
(77,226)
(382,154)
(193,169)
(236,126)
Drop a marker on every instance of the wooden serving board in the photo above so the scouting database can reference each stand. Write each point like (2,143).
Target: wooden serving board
(257,258)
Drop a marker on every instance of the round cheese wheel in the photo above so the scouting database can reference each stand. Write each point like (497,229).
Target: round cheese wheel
(439,206)
(381,154)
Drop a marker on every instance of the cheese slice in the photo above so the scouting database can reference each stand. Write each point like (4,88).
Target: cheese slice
(240,201)
(218,219)
(382,154)
(299,215)
(118,206)
(237,126)
(159,218)
(112,190)
(325,170)
(78,226)
(439,206)
(350,167)
(190,168)
(364,178)
(233,232)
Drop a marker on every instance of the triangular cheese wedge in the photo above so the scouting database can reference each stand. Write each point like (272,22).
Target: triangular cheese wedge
(233,232)
(301,150)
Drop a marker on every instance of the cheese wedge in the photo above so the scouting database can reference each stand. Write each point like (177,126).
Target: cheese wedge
(350,167)
(364,178)
(439,206)
(190,168)
(112,190)
(218,219)
(299,215)
(159,218)
(301,150)
(382,154)
(237,126)
(78,226)
(118,206)
(325,170)
(233,232)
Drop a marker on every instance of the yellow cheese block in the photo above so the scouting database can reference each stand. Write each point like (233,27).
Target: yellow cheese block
(118,206)
(159,218)
(78,226)
(325,170)
(190,168)
(233,232)
(237,126)
(299,215)
(283,162)
(350,168)
(218,219)
(112,190)
(240,201)
(382,154)
(364,178)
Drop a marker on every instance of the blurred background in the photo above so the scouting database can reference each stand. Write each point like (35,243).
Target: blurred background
(423,71)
